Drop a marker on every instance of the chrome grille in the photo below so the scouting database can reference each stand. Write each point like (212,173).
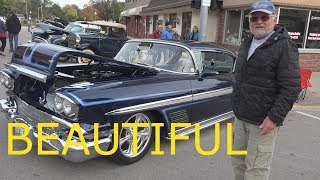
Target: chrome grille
(33,116)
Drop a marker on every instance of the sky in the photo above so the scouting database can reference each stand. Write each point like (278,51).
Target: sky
(79,3)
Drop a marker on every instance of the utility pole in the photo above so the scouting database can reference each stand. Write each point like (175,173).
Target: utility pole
(112,10)
(27,10)
(41,13)
(205,4)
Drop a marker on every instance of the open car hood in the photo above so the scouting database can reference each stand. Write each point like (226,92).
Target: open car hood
(44,27)
(39,60)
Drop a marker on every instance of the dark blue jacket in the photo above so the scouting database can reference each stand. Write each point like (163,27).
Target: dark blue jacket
(195,36)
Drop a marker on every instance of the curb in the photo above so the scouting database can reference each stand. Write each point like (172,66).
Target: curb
(297,106)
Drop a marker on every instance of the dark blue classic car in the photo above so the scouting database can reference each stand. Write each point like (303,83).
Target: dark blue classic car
(106,42)
(147,81)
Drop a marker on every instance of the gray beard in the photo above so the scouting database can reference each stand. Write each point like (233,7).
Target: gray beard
(261,33)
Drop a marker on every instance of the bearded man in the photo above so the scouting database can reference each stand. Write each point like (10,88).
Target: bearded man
(266,85)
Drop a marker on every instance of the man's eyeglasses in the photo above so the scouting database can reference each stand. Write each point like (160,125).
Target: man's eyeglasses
(256,18)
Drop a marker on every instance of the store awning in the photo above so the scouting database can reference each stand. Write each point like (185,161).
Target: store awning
(133,11)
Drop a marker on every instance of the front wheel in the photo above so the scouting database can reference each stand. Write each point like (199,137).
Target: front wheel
(124,153)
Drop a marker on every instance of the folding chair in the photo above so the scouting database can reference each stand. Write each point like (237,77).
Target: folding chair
(305,75)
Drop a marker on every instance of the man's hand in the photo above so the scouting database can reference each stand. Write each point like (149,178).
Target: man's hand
(267,126)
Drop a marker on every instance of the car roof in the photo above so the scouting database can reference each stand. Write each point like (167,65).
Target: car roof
(192,45)
(85,25)
(107,23)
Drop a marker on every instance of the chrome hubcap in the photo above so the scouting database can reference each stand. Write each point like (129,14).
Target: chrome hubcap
(143,136)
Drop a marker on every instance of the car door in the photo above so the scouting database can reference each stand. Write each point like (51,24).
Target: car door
(212,92)
(106,45)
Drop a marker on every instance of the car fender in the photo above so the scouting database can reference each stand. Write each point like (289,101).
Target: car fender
(88,46)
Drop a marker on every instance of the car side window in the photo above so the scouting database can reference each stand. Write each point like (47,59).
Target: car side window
(218,61)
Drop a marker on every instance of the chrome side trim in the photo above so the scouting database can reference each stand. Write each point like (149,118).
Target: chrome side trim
(151,105)
(28,72)
(211,94)
(171,101)
(204,124)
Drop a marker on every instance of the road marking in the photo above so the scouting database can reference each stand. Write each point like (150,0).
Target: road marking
(309,115)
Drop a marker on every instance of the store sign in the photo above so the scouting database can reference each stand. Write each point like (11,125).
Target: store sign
(294,35)
(315,18)
(314,36)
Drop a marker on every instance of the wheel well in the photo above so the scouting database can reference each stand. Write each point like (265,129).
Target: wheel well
(159,118)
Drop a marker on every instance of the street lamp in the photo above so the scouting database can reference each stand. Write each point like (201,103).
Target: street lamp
(95,15)
(30,15)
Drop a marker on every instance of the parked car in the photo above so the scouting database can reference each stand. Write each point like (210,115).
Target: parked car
(48,33)
(147,81)
(106,42)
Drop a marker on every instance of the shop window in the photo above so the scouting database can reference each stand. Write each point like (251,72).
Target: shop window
(186,25)
(237,25)
(172,18)
(313,40)
(295,21)
(232,26)
(148,23)
(155,23)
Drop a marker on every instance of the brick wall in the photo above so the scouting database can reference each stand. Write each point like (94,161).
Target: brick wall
(310,61)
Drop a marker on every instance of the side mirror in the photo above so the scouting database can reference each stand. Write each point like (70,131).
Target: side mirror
(208,72)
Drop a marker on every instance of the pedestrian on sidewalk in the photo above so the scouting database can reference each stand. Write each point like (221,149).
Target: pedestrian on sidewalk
(157,33)
(14,27)
(194,34)
(3,35)
(167,32)
(29,25)
(267,83)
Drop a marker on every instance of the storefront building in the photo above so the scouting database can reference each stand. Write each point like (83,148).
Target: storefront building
(300,17)
(136,24)
(228,24)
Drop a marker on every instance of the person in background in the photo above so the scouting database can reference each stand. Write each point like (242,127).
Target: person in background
(3,36)
(14,27)
(157,33)
(167,32)
(194,34)
(266,85)
(29,25)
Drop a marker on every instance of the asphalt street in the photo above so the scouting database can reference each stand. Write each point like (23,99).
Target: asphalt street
(296,156)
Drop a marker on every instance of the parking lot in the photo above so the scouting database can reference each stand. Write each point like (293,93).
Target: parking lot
(296,157)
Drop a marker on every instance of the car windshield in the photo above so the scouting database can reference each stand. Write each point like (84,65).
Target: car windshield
(158,55)
(74,28)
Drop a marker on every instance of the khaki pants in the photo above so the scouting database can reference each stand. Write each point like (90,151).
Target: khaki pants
(256,164)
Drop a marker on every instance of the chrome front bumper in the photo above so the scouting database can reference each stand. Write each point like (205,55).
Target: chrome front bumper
(74,153)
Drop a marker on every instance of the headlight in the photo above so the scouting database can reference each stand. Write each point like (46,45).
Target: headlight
(58,103)
(64,37)
(65,106)
(6,80)
(78,39)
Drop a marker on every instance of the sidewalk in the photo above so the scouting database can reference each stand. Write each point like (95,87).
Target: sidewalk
(312,98)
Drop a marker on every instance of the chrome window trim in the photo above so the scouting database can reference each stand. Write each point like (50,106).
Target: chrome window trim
(25,71)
